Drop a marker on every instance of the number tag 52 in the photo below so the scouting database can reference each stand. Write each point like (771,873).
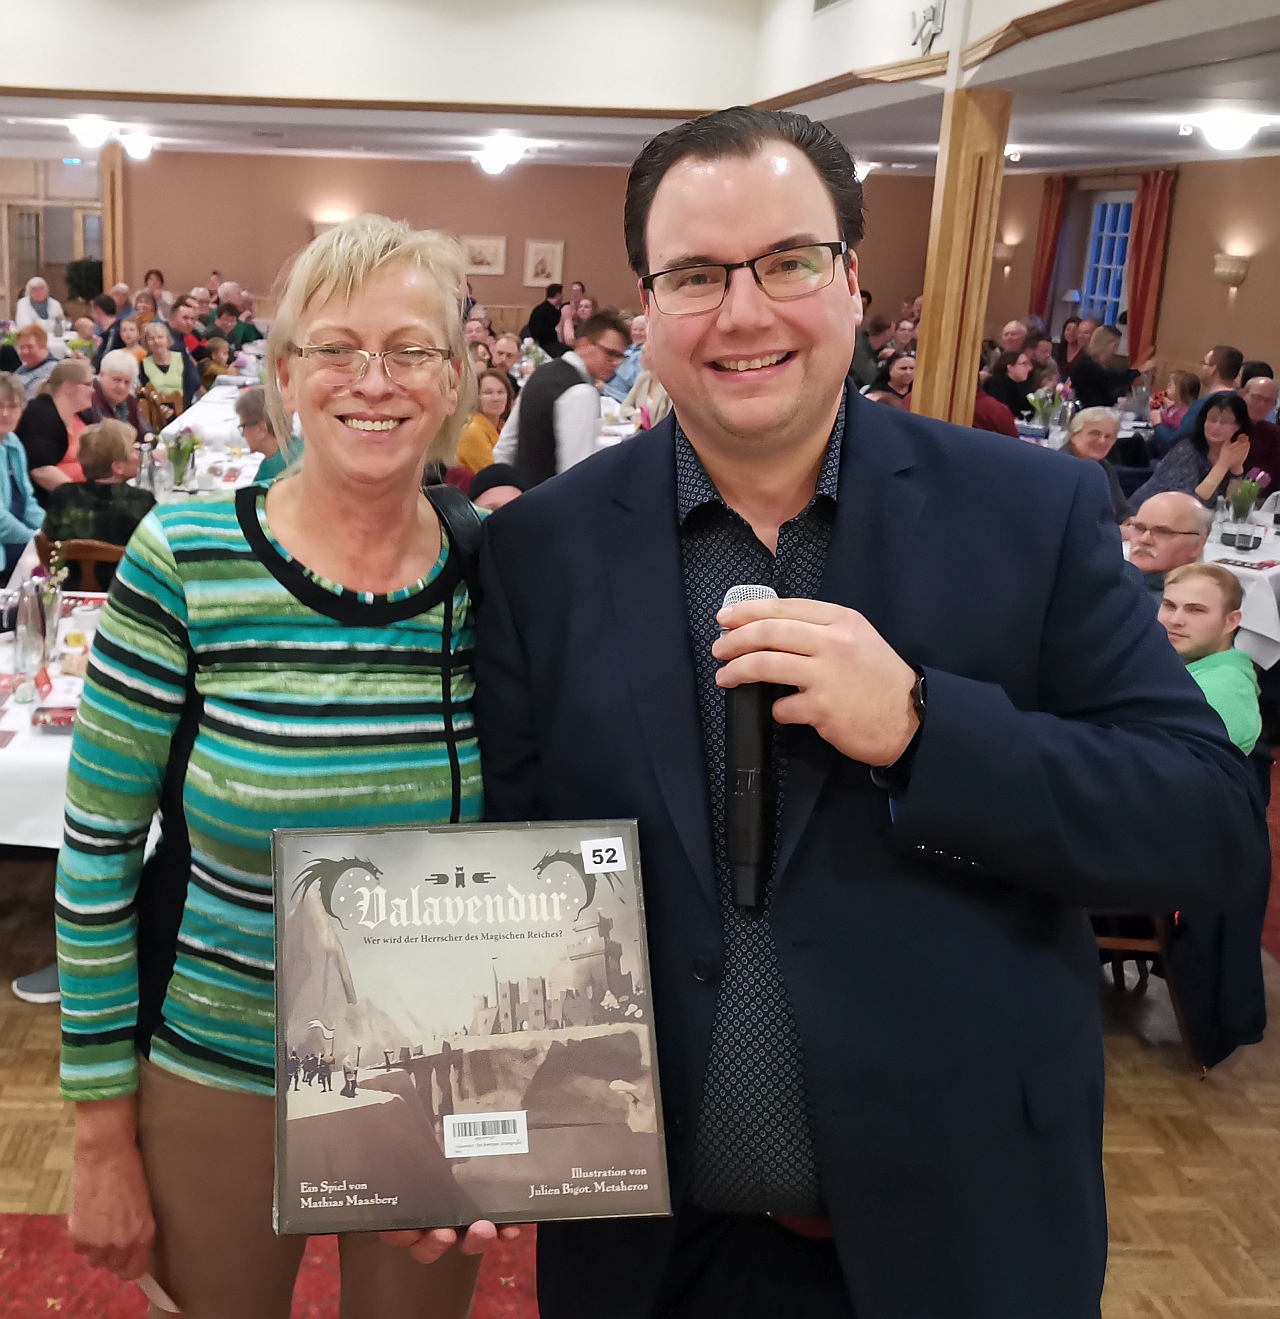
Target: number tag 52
(603,856)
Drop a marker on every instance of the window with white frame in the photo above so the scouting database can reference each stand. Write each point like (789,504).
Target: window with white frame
(1104,293)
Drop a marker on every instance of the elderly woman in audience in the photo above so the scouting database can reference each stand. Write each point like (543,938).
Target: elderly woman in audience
(36,307)
(338,578)
(154,281)
(1095,378)
(113,394)
(1216,451)
(1007,382)
(480,434)
(163,372)
(103,506)
(37,361)
(20,512)
(144,307)
(1091,436)
(893,384)
(51,425)
(647,402)
(258,429)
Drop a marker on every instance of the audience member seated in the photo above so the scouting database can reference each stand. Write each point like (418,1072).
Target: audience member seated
(1168,530)
(544,322)
(37,362)
(129,334)
(1039,348)
(51,426)
(989,414)
(1008,382)
(1200,611)
(505,356)
(572,316)
(1170,405)
(1084,332)
(481,357)
(36,307)
(1096,380)
(628,372)
(1013,337)
(1219,371)
(1064,350)
(497,486)
(204,305)
(1251,371)
(1260,394)
(260,435)
(182,320)
(103,311)
(556,420)
(1216,450)
(1092,435)
(647,402)
(163,370)
(216,363)
(20,513)
(1047,377)
(144,307)
(228,325)
(153,280)
(113,392)
(119,294)
(475,330)
(902,340)
(480,434)
(894,381)
(869,343)
(102,507)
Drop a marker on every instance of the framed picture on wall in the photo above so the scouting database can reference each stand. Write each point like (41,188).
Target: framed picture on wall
(543,263)
(485,256)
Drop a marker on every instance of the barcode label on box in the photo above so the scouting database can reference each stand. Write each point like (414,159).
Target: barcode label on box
(468,1135)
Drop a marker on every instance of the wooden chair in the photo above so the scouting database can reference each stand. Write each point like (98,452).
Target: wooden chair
(87,553)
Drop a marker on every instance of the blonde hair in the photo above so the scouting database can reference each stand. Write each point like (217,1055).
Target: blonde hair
(107,442)
(338,262)
(1102,343)
(35,332)
(152,328)
(72,371)
(1226,582)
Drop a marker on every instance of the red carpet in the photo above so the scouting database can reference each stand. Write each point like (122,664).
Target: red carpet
(1271,927)
(40,1275)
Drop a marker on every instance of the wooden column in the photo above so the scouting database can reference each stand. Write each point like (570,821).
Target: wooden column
(111,188)
(966,204)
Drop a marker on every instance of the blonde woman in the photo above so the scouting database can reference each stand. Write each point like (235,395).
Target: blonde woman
(1096,378)
(493,407)
(160,383)
(228,616)
(51,425)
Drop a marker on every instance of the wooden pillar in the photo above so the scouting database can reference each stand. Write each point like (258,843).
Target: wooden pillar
(111,187)
(962,231)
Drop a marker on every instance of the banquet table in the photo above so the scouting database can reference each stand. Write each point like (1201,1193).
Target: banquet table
(1258,572)
(213,415)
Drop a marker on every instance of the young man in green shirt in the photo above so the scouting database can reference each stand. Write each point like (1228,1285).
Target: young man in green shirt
(1201,613)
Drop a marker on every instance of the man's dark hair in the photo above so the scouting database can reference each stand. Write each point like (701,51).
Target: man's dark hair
(1033,340)
(601,322)
(878,325)
(866,298)
(183,301)
(1227,400)
(106,304)
(1253,370)
(740,131)
(554,290)
(1226,361)
(226,309)
(153,271)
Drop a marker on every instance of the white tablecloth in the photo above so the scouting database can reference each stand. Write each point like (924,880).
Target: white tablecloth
(1259,635)
(33,767)
(212,417)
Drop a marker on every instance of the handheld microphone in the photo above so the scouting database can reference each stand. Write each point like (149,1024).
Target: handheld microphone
(748,787)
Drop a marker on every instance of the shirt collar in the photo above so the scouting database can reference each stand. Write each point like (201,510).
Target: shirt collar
(695,488)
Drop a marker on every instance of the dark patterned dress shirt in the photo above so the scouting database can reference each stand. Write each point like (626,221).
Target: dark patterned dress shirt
(754,1151)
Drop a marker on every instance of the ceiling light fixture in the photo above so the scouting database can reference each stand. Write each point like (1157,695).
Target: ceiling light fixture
(1230,130)
(864,167)
(498,153)
(91,132)
(138,146)
(1185,130)
(1012,155)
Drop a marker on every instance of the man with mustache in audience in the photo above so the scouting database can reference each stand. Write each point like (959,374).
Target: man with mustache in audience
(1170,529)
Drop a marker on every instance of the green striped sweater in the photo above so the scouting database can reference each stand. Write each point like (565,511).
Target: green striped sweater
(239,693)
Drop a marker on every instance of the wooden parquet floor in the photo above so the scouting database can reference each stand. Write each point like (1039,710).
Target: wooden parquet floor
(1193,1167)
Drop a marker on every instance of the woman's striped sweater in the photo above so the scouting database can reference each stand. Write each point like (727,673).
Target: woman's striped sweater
(238,693)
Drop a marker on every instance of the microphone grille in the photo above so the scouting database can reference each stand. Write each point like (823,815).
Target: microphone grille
(735,595)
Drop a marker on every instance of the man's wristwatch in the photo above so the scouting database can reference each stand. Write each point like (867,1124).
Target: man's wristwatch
(895,778)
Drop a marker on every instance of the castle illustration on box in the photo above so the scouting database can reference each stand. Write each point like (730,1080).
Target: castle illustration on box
(463,1028)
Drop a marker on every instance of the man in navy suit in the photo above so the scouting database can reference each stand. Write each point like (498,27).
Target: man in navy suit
(883,1091)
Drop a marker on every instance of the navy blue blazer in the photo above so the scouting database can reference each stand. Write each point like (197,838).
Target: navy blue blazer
(940,965)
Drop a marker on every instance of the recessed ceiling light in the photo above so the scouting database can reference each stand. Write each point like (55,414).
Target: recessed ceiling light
(91,132)
(498,153)
(138,146)
(1230,130)
(1185,130)
(1012,155)
(899,165)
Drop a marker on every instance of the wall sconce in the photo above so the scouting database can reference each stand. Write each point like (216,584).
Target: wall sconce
(1003,253)
(1230,270)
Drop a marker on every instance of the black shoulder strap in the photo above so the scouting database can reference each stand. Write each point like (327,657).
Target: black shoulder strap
(465,527)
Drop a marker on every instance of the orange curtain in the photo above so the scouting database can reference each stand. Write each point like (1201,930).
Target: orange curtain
(1053,206)
(1148,238)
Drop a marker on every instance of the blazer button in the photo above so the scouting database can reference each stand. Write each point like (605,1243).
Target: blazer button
(703,969)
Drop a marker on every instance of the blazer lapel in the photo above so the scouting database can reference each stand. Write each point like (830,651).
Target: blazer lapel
(643,564)
(868,562)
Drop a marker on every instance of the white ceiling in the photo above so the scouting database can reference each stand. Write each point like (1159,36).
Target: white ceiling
(1104,109)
